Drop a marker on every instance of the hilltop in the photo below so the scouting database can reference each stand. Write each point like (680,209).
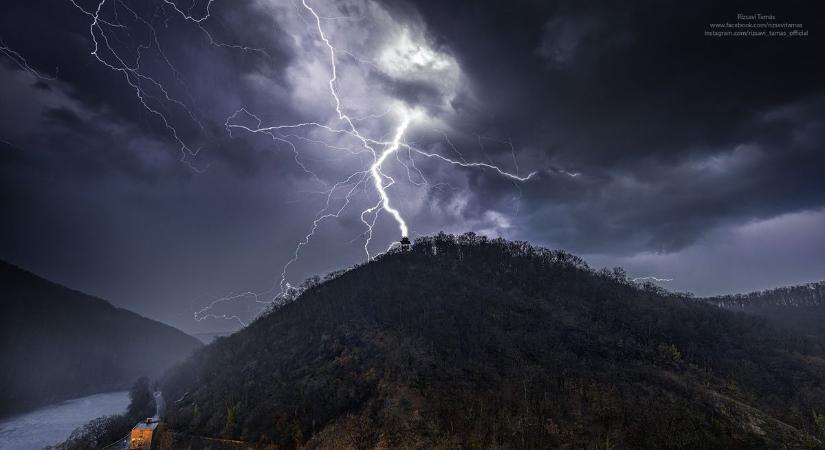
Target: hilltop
(465,342)
(58,343)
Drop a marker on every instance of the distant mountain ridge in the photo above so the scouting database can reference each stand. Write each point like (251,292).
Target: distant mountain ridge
(808,294)
(58,343)
(465,342)
(799,309)
(208,337)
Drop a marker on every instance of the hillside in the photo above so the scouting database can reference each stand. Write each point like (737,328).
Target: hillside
(58,343)
(799,309)
(469,343)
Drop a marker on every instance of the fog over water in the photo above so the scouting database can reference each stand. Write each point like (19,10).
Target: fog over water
(54,423)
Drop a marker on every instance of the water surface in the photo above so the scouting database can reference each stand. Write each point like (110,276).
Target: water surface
(52,424)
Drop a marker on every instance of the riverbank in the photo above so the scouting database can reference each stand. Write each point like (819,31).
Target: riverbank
(54,423)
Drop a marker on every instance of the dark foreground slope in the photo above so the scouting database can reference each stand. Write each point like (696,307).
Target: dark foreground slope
(57,343)
(799,309)
(465,343)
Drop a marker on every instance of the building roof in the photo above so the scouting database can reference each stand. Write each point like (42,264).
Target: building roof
(148,424)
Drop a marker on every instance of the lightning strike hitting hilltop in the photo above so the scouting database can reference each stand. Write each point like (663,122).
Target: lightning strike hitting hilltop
(374,179)
(375,168)
(378,177)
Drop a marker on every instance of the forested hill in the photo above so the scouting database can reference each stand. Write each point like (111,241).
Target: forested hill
(470,343)
(58,343)
(799,309)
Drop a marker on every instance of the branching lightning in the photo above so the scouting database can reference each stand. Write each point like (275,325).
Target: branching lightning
(657,280)
(373,178)
(132,72)
(21,62)
(205,312)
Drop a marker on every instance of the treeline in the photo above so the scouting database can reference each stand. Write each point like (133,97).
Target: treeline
(476,343)
(811,294)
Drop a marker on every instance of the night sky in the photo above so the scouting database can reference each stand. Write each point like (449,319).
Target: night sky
(658,149)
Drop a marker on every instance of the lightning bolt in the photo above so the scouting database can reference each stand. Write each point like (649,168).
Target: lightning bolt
(205,312)
(657,280)
(133,73)
(381,181)
(23,64)
(372,178)
(378,178)
(375,169)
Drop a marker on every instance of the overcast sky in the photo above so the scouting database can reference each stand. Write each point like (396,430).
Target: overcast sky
(124,174)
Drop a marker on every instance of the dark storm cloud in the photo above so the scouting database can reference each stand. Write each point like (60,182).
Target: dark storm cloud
(66,118)
(647,136)
(58,36)
(654,115)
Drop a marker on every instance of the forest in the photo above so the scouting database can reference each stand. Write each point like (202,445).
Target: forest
(477,343)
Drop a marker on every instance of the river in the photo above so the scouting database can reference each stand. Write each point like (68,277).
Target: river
(52,424)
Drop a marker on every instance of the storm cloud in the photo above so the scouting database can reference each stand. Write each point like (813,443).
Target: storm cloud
(655,147)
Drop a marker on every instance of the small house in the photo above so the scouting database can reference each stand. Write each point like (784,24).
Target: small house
(141,435)
(405,243)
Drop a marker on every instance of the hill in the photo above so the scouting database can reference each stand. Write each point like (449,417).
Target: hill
(58,343)
(470,343)
(799,309)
